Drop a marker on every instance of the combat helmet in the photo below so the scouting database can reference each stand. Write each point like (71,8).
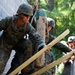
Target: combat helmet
(51,22)
(25,9)
(71,39)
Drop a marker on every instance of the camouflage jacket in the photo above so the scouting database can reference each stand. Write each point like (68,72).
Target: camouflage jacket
(58,45)
(12,33)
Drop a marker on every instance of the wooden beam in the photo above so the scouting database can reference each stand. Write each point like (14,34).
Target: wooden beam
(51,65)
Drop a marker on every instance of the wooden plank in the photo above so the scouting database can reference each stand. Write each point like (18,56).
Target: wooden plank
(47,47)
(51,65)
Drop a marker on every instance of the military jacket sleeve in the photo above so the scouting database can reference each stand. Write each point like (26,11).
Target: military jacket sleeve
(59,45)
(4,23)
(39,43)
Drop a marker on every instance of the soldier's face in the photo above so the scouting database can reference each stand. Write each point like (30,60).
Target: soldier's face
(71,45)
(26,18)
(49,28)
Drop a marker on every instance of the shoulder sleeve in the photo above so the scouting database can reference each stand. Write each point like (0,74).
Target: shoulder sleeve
(62,47)
(4,23)
(59,46)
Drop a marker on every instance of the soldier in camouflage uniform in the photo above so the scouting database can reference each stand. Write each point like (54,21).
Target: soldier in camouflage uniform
(15,28)
(30,45)
(49,56)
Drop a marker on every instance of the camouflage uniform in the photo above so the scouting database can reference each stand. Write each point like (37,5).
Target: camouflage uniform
(23,52)
(49,57)
(29,45)
(12,35)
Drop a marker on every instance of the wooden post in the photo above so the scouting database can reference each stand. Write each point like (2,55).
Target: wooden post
(34,57)
(41,30)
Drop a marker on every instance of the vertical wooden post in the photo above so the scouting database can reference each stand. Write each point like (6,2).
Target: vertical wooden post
(41,30)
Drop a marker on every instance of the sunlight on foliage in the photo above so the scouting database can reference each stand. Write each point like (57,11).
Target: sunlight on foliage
(43,2)
(65,13)
(59,69)
(73,6)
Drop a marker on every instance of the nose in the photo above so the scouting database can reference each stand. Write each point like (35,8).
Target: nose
(28,17)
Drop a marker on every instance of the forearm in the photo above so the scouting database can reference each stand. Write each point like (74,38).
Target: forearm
(62,47)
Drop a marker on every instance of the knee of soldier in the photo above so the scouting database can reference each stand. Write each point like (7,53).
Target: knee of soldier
(27,46)
(27,43)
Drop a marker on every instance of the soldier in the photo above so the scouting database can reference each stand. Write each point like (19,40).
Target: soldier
(68,64)
(49,56)
(71,42)
(17,57)
(15,28)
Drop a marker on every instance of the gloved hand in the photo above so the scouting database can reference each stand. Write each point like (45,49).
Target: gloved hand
(43,47)
(40,48)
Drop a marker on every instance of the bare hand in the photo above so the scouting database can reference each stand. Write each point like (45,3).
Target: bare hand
(36,4)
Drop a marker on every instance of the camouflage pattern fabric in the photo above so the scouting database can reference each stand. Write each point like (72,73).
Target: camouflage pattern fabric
(13,34)
(49,58)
